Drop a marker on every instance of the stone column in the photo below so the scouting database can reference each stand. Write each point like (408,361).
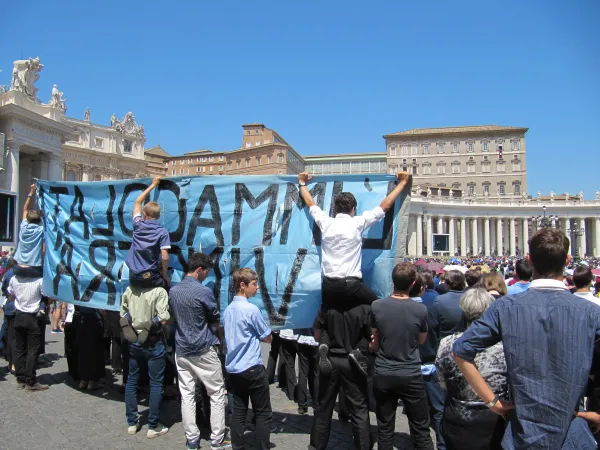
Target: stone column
(451,240)
(440,225)
(583,238)
(525,236)
(463,236)
(43,168)
(85,172)
(12,169)
(475,249)
(499,236)
(513,240)
(419,235)
(486,237)
(429,235)
(54,169)
(597,237)
(412,235)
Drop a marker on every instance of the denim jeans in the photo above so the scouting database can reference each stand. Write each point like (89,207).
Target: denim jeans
(437,397)
(154,354)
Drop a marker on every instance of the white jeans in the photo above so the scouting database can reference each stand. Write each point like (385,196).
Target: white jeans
(205,368)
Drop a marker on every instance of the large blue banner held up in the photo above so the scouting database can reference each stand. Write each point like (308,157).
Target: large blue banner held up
(256,222)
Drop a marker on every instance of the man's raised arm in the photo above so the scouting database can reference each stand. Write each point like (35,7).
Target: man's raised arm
(28,201)
(387,202)
(137,206)
(303,180)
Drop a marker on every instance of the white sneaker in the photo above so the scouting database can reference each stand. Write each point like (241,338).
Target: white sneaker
(133,429)
(158,431)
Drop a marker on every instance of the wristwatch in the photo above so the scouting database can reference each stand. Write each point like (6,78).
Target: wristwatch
(493,402)
(301,183)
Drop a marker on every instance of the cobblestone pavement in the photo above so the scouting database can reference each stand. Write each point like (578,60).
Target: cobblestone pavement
(65,418)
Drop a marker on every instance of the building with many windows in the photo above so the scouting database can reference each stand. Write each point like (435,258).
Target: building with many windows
(481,161)
(157,160)
(346,163)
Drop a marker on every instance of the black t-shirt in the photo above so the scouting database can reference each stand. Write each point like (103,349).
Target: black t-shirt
(399,323)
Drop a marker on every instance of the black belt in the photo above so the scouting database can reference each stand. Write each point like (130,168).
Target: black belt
(344,279)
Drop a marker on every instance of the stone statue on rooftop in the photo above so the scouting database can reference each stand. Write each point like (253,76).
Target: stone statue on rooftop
(86,115)
(56,100)
(24,75)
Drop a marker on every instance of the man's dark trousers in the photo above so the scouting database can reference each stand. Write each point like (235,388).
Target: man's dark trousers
(27,343)
(355,387)
(437,398)
(253,385)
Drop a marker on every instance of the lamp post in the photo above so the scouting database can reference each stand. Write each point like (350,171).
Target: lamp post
(575,232)
(543,221)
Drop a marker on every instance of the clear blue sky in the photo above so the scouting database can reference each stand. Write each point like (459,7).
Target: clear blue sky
(329,76)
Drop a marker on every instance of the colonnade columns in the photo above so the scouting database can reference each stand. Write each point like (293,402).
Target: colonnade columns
(525,236)
(419,234)
(463,236)
(429,236)
(486,237)
(12,169)
(597,236)
(513,240)
(499,236)
(582,240)
(475,249)
(452,239)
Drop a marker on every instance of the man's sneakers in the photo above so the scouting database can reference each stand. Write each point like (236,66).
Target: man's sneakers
(158,431)
(37,387)
(359,360)
(132,429)
(225,443)
(324,363)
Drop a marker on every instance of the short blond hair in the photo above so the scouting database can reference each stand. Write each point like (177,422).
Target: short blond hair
(152,210)
(245,276)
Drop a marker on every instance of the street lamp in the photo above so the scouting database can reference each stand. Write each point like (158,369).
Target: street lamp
(575,232)
(543,221)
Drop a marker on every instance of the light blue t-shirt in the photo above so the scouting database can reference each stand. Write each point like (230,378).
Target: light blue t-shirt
(29,250)
(518,287)
(244,329)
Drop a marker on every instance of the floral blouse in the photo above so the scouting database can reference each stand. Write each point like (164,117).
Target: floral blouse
(491,365)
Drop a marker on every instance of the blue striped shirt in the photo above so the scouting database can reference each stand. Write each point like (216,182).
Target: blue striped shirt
(548,336)
(194,309)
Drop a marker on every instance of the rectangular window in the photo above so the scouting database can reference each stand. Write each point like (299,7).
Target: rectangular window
(248,144)
(204,169)
(181,171)
(210,169)
(485,168)
(516,166)
(501,189)
(515,145)
(257,143)
(415,170)
(426,170)
(392,150)
(471,189)
(280,158)
(197,169)
(425,148)
(98,142)
(485,147)
(173,172)
(239,164)
(470,147)
(247,163)
(229,164)
(404,150)
(486,189)
(441,169)
(455,168)
(221,168)
(190,161)
(517,188)
(501,167)
(392,170)
(198,159)
(470,168)
(345,167)
(211,159)
(221,158)
(181,162)
(127,146)
(454,147)
(414,149)
(440,148)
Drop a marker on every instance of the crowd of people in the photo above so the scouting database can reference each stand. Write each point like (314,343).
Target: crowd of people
(499,354)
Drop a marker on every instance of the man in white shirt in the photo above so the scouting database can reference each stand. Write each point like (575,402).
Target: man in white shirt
(27,294)
(342,324)
(583,277)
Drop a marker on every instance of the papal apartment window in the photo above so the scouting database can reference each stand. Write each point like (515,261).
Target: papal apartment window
(99,142)
(501,189)
(221,158)
(501,167)
(248,163)
(280,158)
(248,144)
(471,188)
(486,189)
(454,147)
(440,148)
(239,164)
(229,164)
(404,150)
(470,147)
(441,169)
(516,166)
(211,159)
(258,160)
(485,146)
(485,168)
(415,170)
(414,149)
(392,150)
(127,146)
(425,148)
(470,168)
(455,168)
(426,169)
(517,187)
(515,145)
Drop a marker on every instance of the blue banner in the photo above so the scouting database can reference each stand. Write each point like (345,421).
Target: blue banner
(247,221)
